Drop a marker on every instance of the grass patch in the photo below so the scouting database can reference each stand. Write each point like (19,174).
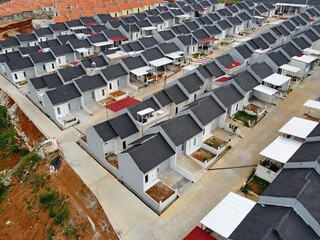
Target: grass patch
(3,192)
(256,185)
(71,231)
(246,118)
(54,204)
(26,165)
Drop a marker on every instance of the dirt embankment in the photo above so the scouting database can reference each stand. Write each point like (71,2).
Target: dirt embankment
(12,29)
(40,204)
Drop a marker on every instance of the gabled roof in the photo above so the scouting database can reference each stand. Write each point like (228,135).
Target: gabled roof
(308,152)
(282,30)
(74,23)
(26,37)
(98,28)
(147,103)
(262,44)
(166,15)
(88,83)
(63,93)
(123,126)
(43,32)
(70,73)
(269,38)
(200,34)
(62,50)
(134,62)
(152,54)
(244,51)
(42,57)
(50,81)
(204,72)
(212,30)
(97,38)
(20,63)
(98,61)
(176,94)
(28,50)
(191,82)
(49,43)
(130,28)
(77,43)
(166,35)
(168,48)
(291,49)
(146,156)
(311,35)
(262,70)
(148,42)
(228,94)
(192,25)
(114,71)
(214,17)
(235,21)
(163,98)
(289,25)
(206,109)
(10,56)
(10,42)
(246,81)
(223,24)
(155,19)
(186,40)
(63,39)
(244,16)
(104,17)
(58,27)
(180,129)
(301,42)
(278,58)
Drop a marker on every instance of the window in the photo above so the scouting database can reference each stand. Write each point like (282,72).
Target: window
(69,106)
(194,141)
(44,67)
(118,83)
(146,178)
(24,74)
(103,92)
(115,15)
(110,86)
(127,12)
(52,65)
(16,76)
(124,145)
(59,60)
(176,110)
(58,110)
(182,147)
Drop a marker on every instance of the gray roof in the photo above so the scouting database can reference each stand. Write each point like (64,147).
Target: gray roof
(262,44)
(58,27)
(206,109)
(88,83)
(152,54)
(99,61)
(176,94)
(244,51)
(42,57)
(223,24)
(26,37)
(235,21)
(147,156)
(289,26)
(204,72)
(272,223)
(62,50)
(70,73)
(269,38)
(114,71)
(228,94)
(97,38)
(246,81)
(262,70)
(105,131)
(9,56)
(226,60)
(134,62)
(28,50)
(63,93)
(147,103)
(214,69)
(123,125)
(291,49)
(43,31)
(50,81)
(311,35)
(104,17)
(308,152)
(63,39)
(20,63)
(10,42)
(49,43)
(212,30)
(186,40)
(168,48)
(191,82)
(301,42)
(163,98)
(167,35)
(148,42)
(282,30)
(77,43)
(315,132)
(180,129)
(278,58)
(200,34)
(74,23)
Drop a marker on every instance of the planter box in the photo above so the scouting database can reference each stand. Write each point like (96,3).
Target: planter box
(265,173)
(206,163)
(118,95)
(213,150)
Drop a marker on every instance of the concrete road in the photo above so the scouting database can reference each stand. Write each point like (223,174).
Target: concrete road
(134,220)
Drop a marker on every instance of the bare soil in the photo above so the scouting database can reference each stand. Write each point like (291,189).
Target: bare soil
(21,216)
(12,29)
(160,192)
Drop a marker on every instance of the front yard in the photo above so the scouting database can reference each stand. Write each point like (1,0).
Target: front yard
(159,192)
(246,118)
(215,142)
(202,155)
(256,185)
(113,160)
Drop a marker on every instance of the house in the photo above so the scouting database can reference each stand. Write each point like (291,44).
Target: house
(70,73)
(27,39)
(97,29)
(148,42)
(168,19)
(60,102)
(178,96)
(19,70)
(181,30)
(99,42)
(102,18)
(164,101)
(10,56)
(9,45)
(231,97)
(172,51)
(75,24)
(93,64)
(204,40)
(43,34)
(87,21)
(242,52)
(63,39)
(141,165)
(59,29)
(116,36)
(131,31)
(246,19)
(146,28)
(270,39)
(164,36)
(116,77)
(261,70)
(305,63)
(238,25)
(157,22)
(39,85)
(43,63)
(47,45)
(63,54)
(187,44)
(214,31)
(228,63)
(192,25)
(113,24)
(132,47)
(110,138)
(204,21)
(92,88)
(275,60)
(27,51)
(82,48)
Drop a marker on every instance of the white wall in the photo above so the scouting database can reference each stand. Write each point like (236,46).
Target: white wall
(64,110)
(193,144)
(100,94)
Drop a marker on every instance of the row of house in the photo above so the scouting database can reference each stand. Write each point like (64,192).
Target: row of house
(288,207)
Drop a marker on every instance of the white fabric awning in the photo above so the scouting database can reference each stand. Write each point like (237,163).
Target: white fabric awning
(281,149)
(141,71)
(311,51)
(266,90)
(145,111)
(277,79)
(305,58)
(81,50)
(298,127)
(161,62)
(149,28)
(290,68)
(99,44)
(175,55)
(228,214)
(312,104)
(184,16)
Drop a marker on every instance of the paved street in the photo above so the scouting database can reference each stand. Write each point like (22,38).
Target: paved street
(133,219)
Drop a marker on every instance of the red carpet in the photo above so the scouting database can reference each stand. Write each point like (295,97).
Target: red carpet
(121,104)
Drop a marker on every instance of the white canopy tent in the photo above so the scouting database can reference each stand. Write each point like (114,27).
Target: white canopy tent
(310,51)
(277,79)
(290,68)
(266,90)
(141,71)
(298,127)
(100,44)
(305,58)
(149,28)
(312,104)
(228,214)
(175,55)
(161,62)
(82,50)
(281,149)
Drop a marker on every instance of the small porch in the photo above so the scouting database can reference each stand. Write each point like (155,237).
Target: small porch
(112,159)
(174,180)
(186,163)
